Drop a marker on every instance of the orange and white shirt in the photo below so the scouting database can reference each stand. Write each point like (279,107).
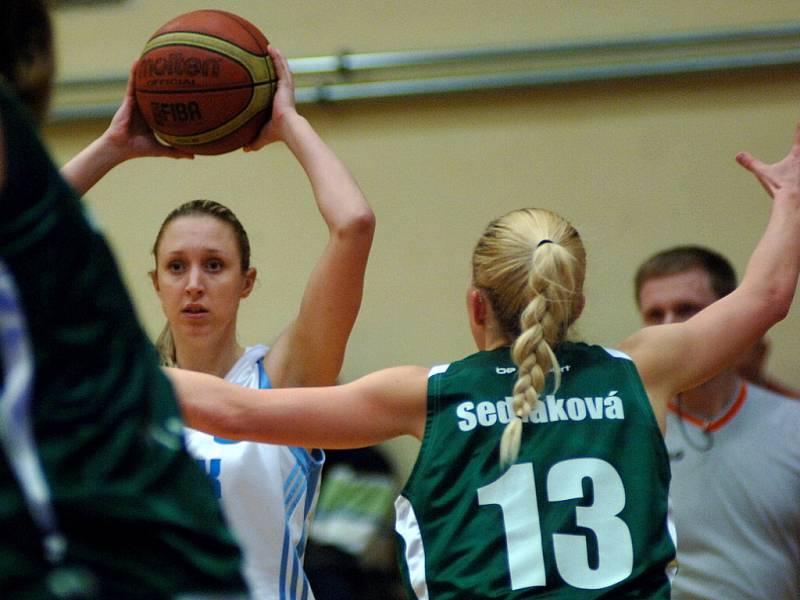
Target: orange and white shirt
(736,498)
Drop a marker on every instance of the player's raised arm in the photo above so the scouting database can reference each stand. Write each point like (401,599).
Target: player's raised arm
(310,351)
(127,136)
(673,358)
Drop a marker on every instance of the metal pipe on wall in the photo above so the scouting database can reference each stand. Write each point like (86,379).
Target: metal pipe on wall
(350,77)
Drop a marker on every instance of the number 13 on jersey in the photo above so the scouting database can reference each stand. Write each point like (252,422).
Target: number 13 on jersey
(515,492)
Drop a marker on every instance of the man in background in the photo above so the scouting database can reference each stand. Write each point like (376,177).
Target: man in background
(734,451)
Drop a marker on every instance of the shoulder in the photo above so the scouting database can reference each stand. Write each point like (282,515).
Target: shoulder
(767,400)
(776,418)
(485,361)
(438,369)
(393,378)
(591,352)
(766,427)
(256,352)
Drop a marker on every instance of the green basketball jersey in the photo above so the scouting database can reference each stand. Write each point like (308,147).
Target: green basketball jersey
(582,513)
(138,516)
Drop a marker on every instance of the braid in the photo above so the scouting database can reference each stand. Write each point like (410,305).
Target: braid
(530,264)
(543,326)
(533,357)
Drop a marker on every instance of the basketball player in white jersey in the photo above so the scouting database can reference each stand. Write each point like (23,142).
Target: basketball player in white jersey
(202,272)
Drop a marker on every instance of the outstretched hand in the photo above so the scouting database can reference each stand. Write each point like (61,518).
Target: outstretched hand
(283,103)
(783,175)
(129,133)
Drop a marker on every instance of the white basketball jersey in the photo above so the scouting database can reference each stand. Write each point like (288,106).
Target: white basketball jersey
(268,494)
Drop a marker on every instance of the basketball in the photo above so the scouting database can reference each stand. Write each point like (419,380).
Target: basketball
(205,83)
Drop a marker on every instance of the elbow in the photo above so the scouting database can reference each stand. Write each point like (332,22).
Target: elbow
(235,415)
(777,302)
(228,424)
(210,404)
(222,419)
(360,225)
(767,302)
(781,307)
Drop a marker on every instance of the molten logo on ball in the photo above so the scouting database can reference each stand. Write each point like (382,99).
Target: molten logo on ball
(176,64)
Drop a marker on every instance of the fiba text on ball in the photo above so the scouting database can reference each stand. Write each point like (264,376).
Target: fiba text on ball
(175,112)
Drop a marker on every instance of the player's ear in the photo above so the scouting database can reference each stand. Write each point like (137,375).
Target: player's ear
(249,282)
(476,306)
(477,311)
(154,280)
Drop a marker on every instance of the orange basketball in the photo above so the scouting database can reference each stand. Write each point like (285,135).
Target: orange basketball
(205,82)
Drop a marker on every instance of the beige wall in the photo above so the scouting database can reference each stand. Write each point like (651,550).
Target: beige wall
(636,165)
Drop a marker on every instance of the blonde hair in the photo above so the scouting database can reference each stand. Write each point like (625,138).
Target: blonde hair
(530,264)
(165,343)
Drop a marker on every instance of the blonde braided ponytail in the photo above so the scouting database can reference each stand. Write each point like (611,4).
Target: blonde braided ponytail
(530,264)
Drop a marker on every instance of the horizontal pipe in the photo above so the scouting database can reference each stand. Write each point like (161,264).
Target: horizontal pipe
(534,78)
(719,50)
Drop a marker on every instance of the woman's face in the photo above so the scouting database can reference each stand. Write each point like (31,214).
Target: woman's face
(199,277)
